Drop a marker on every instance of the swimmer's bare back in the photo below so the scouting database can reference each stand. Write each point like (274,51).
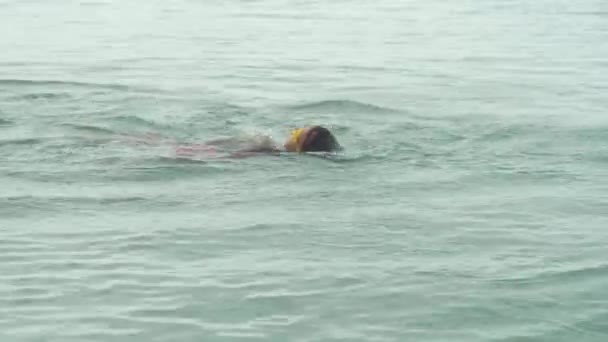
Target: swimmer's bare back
(245,147)
(225,147)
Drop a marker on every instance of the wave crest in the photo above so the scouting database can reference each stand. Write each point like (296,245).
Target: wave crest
(343,105)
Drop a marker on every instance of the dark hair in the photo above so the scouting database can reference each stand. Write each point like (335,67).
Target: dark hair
(320,139)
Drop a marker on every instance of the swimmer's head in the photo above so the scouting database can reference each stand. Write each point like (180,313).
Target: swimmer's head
(312,139)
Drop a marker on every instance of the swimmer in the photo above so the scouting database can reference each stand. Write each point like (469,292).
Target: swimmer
(301,140)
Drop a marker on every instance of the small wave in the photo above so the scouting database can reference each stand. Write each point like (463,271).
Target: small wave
(90,129)
(343,105)
(500,133)
(176,160)
(77,84)
(5,122)
(18,82)
(346,158)
(72,199)
(39,96)
(138,122)
(21,141)
(577,274)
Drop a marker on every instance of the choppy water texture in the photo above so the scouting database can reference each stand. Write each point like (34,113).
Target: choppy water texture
(470,203)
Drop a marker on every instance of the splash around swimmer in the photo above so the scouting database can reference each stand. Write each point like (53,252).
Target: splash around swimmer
(301,140)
